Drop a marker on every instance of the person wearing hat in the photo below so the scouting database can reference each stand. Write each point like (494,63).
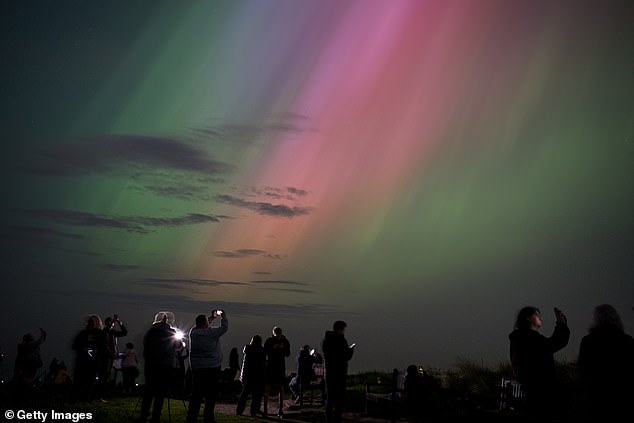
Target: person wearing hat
(159,350)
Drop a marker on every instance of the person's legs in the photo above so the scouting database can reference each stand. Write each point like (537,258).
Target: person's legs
(242,399)
(267,391)
(330,399)
(148,392)
(211,393)
(280,411)
(340,393)
(163,379)
(256,398)
(196,397)
(335,395)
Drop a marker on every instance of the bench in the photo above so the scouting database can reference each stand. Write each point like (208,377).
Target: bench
(316,390)
(386,399)
(511,395)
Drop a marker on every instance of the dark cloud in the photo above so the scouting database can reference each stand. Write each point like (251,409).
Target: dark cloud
(182,303)
(109,152)
(287,124)
(120,267)
(238,253)
(288,193)
(263,208)
(275,256)
(297,191)
(181,192)
(295,290)
(279,282)
(175,185)
(128,223)
(243,253)
(177,282)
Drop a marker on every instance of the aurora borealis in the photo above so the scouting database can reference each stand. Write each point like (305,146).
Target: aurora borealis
(420,169)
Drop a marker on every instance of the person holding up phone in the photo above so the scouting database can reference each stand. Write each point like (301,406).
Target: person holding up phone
(337,353)
(205,359)
(532,358)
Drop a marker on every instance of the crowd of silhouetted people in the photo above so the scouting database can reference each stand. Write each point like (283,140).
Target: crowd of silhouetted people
(189,366)
(183,365)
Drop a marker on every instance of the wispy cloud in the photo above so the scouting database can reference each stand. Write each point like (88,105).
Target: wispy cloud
(287,193)
(297,191)
(108,152)
(295,290)
(264,208)
(279,282)
(179,282)
(182,303)
(244,253)
(238,253)
(137,224)
(287,124)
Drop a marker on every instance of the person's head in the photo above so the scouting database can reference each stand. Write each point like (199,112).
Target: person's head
(166,317)
(94,322)
(529,317)
(256,340)
(129,345)
(108,322)
(339,326)
(27,338)
(277,331)
(606,316)
(202,321)
(412,370)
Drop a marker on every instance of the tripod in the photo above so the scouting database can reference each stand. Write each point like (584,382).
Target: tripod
(160,388)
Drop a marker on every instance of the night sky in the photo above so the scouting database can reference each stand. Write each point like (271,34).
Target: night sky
(419,169)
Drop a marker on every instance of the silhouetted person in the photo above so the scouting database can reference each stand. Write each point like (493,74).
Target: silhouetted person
(129,368)
(252,376)
(533,361)
(337,353)
(113,328)
(305,373)
(205,359)
(234,360)
(180,372)
(91,354)
(229,373)
(159,351)
(606,367)
(417,387)
(28,359)
(276,348)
